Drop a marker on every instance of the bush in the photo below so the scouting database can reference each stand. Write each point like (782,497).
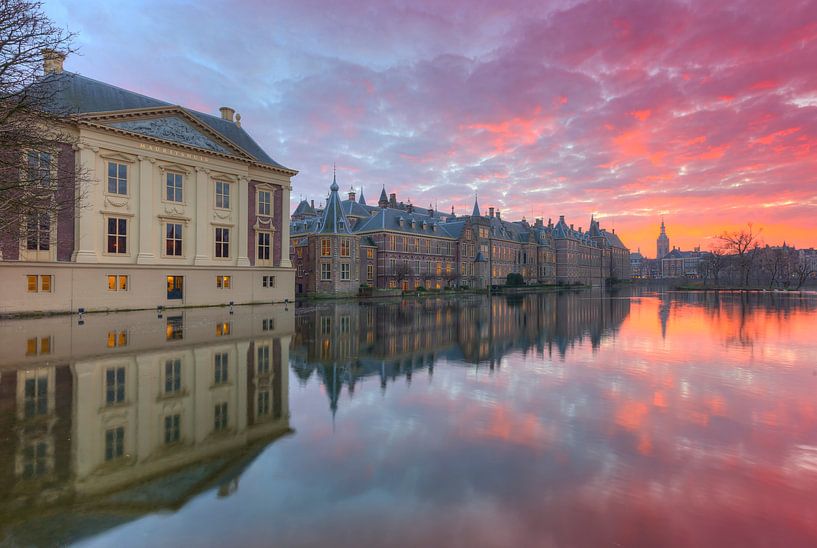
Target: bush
(514,280)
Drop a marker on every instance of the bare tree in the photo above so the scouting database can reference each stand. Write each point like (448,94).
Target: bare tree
(402,271)
(451,278)
(773,264)
(743,244)
(33,130)
(802,271)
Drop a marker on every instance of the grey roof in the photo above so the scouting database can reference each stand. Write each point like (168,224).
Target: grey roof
(76,94)
(383,197)
(613,239)
(476,213)
(304,209)
(354,209)
(361,200)
(334,220)
(390,219)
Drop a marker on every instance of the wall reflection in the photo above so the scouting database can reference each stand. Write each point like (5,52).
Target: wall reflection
(344,342)
(130,413)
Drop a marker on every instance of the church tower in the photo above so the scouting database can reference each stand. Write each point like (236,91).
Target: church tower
(662,247)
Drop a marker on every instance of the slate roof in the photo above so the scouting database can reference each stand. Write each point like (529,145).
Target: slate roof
(304,209)
(333,220)
(389,219)
(76,94)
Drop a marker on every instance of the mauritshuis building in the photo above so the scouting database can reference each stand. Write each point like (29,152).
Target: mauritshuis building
(347,244)
(179,208)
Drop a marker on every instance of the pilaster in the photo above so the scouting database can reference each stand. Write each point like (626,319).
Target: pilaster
(284,232)
(147,215)
(88,218)
(202,226)
(242,219)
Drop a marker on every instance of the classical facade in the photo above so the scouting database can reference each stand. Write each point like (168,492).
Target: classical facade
(178,208)
(345,244)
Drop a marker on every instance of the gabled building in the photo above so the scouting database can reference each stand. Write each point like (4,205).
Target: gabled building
(406,247)
(179,208)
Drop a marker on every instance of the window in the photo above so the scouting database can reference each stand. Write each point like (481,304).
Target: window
(326,325)
(268,281)
(370,253)
(223,328)
(36,397)
(114,443)
(326,247)
(224,282)
(117,235)
(222,195)
(222,242)
(117,178)
(39,168)
(38,231)
(45,283)
(44,346)
(264,202)
(268,324)
(263,249)
(174,187)
(117,282)
(173,376)
(114,385)
(173,239)
(172,429)
(220,416)
(369,271)
(344,271)
(35,460)
(263,353)
(326,271)
(221,362)
(174,330)
(344,247)
(263,403)
(117,338)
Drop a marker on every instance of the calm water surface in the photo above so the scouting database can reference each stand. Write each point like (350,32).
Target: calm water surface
(580,419)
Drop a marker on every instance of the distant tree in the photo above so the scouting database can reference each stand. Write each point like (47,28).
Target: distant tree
(514,279)
(743,244)
(717,262)
(402,271)
(802,271)
(773,264)
(451,278)
(31,125)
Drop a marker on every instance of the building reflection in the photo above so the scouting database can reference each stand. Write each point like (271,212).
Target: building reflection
(124,414)
(344,342)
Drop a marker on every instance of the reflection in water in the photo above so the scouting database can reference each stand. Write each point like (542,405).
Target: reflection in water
(130,413)
(581,418)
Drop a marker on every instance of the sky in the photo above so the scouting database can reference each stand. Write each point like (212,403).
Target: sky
(702,112)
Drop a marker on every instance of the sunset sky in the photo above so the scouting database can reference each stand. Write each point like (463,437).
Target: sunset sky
(703,112)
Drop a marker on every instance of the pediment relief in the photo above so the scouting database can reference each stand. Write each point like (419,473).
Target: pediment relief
(187,170)
(117,156)
(171,128)
(221,176)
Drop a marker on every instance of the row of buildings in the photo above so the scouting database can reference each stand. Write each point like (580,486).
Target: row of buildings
(669,263)
(348,243)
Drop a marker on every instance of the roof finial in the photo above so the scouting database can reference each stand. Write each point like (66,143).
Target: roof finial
(334,186)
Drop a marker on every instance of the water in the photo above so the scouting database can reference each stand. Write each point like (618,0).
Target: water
(579,419)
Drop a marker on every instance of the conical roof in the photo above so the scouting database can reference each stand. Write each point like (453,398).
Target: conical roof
(333,220)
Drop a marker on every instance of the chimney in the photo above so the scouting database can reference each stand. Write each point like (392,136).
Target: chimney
(393,200)
(490,212)
(52,61)
(313,204)
(539,222)
(497,214)
(571,226)
(227,113)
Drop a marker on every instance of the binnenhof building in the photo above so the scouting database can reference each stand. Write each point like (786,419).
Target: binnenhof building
(178,208)
(347,244)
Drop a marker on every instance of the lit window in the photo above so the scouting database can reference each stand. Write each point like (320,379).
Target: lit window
(326,247)
(224,282)
(326,271)
(117,282)
(174,186)
(222,242)
(114,443)
(264,202)
(223,328)
(117,178)
(222,195)
(369,271)
(117,235)
(117,338)
(174,329)
(370,253)
(173,239)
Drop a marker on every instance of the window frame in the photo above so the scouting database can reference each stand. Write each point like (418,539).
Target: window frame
(222,184)
(178,190)
(118,180)
(117,235)
(176,240)
(224,230)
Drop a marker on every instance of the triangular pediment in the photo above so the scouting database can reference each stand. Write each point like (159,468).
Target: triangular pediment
(173,129)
